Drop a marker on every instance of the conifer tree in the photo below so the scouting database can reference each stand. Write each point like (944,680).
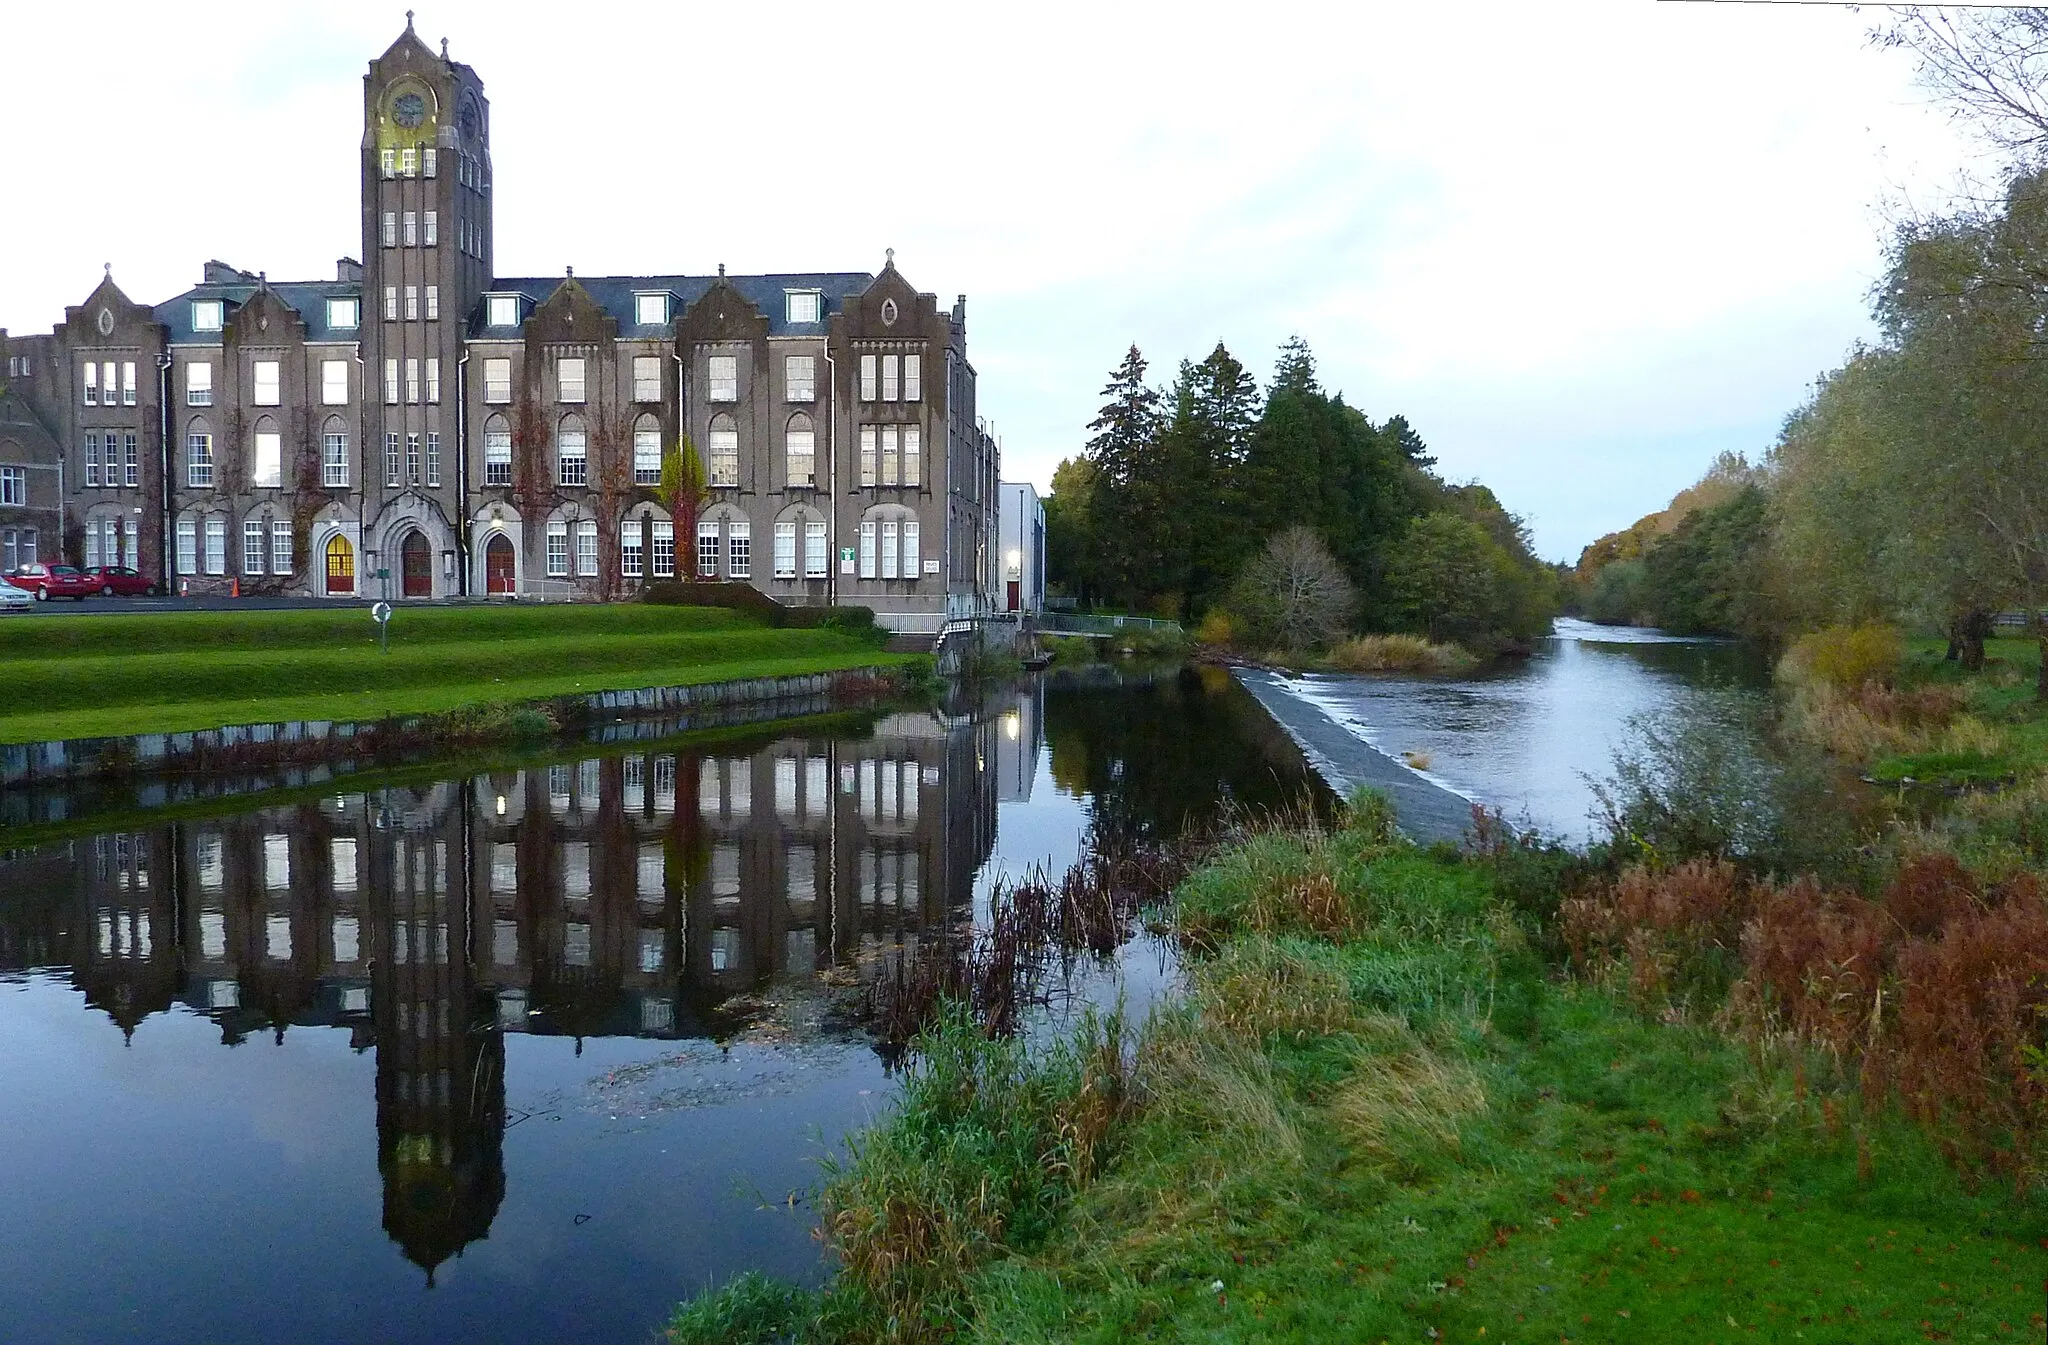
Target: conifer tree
(1127,517)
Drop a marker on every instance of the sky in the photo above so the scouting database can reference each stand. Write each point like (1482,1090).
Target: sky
(1583,247)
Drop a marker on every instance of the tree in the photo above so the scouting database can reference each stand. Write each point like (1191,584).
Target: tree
(1293,595)
(1127,518)
(1990,65)
(683,491)
(1071,562)
(1966,307)
(1444,580)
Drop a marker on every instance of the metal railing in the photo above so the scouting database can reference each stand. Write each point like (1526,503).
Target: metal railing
(1074,623)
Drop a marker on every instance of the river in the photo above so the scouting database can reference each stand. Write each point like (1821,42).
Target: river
(1529,737)
(526,1054)
(522,1054)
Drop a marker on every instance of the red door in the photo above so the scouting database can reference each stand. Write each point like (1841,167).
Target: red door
(419,571)
(1015,593)
(500,575)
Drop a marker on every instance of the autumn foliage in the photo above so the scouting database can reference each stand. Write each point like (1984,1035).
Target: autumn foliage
(1934,992)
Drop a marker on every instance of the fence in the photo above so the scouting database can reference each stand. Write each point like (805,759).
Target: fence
(1074,623)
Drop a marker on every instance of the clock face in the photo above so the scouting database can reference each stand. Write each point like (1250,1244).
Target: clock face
(409,110)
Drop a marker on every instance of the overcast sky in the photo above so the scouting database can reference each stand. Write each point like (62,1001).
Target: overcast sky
(1582,246)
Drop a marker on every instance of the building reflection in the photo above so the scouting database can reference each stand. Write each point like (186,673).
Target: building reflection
(625,894)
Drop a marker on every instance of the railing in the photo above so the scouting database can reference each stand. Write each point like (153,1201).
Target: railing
(1073,623)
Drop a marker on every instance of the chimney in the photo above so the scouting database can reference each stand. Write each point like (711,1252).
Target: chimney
(220,273)
(960,311)
(348,271)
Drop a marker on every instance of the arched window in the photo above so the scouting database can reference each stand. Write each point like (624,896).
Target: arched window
(722,464)
(334,453)
(103,539)
(647,451)
(800,442)
(800,545)
(891,545)
(572,453)
(497,452)
(198,455)
(266,455)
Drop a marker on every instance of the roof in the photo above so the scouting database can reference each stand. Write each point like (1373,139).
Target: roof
(19,427)
(307,298)
(615,295)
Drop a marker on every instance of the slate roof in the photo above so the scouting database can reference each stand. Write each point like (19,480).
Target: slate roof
(306,297)
(615,295)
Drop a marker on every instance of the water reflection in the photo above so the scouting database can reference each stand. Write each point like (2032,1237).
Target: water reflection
(628,894)
(527,964)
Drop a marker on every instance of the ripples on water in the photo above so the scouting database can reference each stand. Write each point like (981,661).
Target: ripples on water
(1524,738)
(519,1055)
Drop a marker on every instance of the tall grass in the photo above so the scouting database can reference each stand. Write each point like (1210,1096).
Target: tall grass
(1398,653)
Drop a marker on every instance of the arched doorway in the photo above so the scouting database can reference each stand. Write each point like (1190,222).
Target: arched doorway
(417,558)
(500,572)
(341,565)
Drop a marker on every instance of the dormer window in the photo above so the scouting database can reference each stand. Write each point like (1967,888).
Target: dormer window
(344,313)
(804,305)
(207,315)
(502,310)
(650,310)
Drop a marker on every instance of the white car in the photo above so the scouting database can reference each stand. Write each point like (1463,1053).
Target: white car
(14,599)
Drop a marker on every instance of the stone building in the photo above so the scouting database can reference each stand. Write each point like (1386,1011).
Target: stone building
(419,427)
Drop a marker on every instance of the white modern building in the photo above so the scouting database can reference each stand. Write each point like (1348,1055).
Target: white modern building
(1021,527)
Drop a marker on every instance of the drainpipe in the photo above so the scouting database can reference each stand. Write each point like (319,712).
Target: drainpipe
(163,480)
(363,477)
(675,524)
(462,471)
(831,478)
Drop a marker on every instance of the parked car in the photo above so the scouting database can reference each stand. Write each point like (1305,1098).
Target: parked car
(53,581)
(110,580)
(14,599)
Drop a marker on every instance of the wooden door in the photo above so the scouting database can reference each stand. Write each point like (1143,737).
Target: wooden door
(500,574)
(341,565)
(418,560)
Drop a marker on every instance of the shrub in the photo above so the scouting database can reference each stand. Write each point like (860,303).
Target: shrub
(1216,630)
(1845,657)
(1398,653)
(1674,933)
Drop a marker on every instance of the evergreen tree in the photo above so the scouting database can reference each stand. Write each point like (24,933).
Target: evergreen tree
(1126,514)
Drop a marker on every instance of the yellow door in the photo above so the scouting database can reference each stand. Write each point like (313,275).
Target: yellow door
(341,565)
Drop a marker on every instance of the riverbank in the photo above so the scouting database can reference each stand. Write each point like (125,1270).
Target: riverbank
(1387,1110)
(122,676)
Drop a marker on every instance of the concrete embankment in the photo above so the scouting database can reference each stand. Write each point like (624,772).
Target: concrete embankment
(1426,810)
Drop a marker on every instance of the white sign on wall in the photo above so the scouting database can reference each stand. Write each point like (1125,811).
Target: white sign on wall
(931,567)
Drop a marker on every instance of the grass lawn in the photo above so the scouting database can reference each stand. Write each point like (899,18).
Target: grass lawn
(76,676)
(2014,738)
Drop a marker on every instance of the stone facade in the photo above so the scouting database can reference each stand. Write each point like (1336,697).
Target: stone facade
(419,427)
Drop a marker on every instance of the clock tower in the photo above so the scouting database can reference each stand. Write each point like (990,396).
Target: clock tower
(426,259)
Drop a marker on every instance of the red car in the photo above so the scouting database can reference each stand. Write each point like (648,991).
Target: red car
(53,581)
(111,580)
